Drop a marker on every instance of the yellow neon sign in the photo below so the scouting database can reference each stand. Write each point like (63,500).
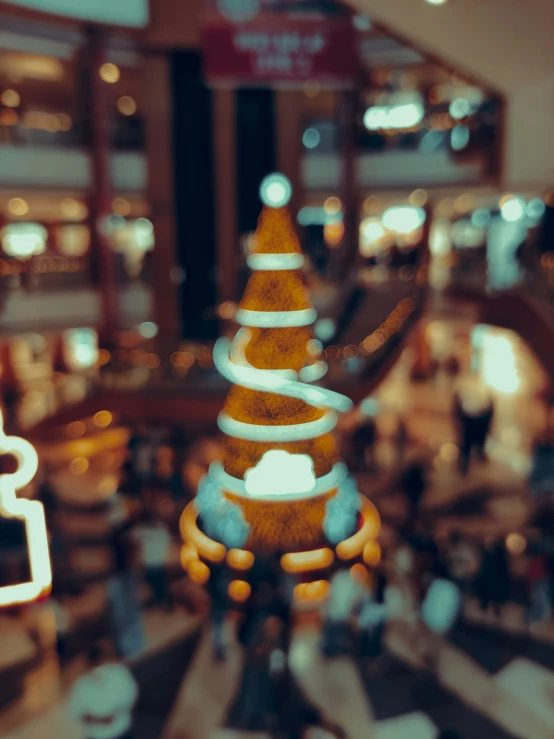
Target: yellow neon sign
(31,512)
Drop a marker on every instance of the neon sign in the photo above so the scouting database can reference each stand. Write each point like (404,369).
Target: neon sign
(31,512)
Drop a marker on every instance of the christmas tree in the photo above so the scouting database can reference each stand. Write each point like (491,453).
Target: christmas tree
(281,486)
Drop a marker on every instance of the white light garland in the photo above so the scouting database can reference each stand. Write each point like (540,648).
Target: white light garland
(240,372)
(270,262)
(230,360)
(277,434)
(313,372)
(31,512)
(276,318)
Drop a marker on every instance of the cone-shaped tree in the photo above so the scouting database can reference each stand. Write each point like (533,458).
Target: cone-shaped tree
(281,485)
(276,295)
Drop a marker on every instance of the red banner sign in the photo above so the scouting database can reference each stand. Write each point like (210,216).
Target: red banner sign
(280,47)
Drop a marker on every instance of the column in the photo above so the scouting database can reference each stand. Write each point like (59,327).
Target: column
(100,200)
(194,195)
(256,150)
(288,114)
(161,196)
(227,246)
(349,186)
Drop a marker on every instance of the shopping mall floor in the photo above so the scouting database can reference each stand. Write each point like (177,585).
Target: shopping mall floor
(493,676)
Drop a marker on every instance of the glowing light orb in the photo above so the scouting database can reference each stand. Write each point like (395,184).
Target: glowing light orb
(516,543)
(10,98)
(148,329)
(239,591)
(325,329)
(126,105)
(536,208)
(275,190)
(403,219)
(459,137)
(481,218)
(512,209)
(103,419)
(370,407)
(23,240)
(281,473)
(109,73)
(311,138)
(460,108)
(441,606)
(393,117)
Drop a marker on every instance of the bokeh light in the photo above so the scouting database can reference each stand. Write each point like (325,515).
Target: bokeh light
(78,466)
(102,419)
(10,98)
(126,105)
(512,208)
(516,543)
(311,138)
(109,73)
(18,207)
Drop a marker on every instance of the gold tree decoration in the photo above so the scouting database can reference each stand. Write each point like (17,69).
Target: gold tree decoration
(281,486)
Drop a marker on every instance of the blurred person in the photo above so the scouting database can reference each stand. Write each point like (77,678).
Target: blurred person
(492,584)
(463,560)
(264,600)
(102,700)
(372,622)
(117,511)
(62,620)
(176,484)
(428,558)
(363,441)
(270,700)
(474,411)
(47,496)
(538,581)
(413,485)
(154,542)
(218,590)
(402,591)
(402,438)
(144,459)
(346,597)
(123,603)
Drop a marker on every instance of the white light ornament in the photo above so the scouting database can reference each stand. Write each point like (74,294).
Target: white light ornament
(279,473)
(31,512)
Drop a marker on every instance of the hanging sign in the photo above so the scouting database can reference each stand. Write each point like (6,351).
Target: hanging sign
(262,42)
